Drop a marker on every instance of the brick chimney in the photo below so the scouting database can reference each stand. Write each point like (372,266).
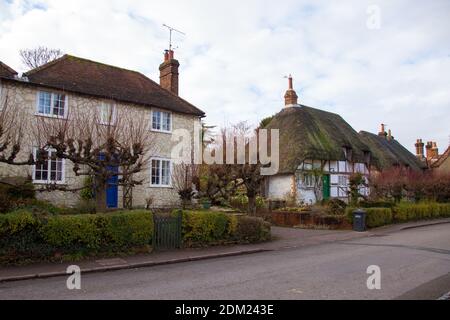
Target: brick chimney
(382,132)
(432,150)
(389,136)
(290,98)
(168,78)
(419,149)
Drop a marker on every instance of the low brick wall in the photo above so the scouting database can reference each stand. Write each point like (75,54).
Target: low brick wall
(292,219)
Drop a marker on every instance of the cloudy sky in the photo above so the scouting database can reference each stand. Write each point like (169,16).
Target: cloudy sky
(370,61)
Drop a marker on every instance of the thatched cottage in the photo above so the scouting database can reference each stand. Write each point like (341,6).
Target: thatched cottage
(319,151)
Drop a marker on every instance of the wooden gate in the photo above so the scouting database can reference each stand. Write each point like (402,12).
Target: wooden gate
(167,233)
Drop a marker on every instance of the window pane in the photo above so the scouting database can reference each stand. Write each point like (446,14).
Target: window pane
(165,174)
(59,101)
(155,172)
(156,120)
(41,170)
(106,112)
(45,100)
(166,121)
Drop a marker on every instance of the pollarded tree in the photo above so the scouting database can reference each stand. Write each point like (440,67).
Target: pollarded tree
(104,145)
(184,177)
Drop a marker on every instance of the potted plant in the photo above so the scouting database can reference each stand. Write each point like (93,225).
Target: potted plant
(206,203)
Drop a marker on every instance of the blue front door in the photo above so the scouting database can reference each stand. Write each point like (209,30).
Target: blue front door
(112,189)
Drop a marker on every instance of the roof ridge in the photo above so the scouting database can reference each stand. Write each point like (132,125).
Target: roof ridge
(104,64)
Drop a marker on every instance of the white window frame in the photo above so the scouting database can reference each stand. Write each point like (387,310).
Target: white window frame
(52,100)
(308,177)
(160,185)
(48,181)
(100,112)
(161,121)
(343,177)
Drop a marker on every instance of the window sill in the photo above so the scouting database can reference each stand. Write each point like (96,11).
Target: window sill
(44,183)
(161,131)
(43,115)
(154,186)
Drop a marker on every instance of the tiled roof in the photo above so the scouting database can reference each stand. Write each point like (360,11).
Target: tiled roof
(6,71)
(88,77)
(441,159)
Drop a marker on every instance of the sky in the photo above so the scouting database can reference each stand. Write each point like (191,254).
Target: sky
(372,62)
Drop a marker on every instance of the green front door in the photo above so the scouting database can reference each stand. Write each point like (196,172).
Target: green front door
(326,187)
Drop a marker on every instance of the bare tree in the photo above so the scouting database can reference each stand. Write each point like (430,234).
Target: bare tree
(184,176)
(118,146)
(225,179)
(12,127)
(34,58)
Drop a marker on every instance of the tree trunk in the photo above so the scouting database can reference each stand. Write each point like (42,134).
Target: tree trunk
(251,204)
(100,198)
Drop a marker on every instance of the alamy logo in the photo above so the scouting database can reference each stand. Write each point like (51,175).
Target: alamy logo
(374,280)
(74,280)
(230,149)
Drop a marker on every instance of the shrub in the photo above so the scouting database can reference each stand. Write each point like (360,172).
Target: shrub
(72,232)
(240,202)
(335,206)
(375,217)
(129,228)
(14,191)
(376,204)
(20,238)
(39,207)
(25,235)
(251,229)
(402,212)
(88,192)
(410,212)
(201,228)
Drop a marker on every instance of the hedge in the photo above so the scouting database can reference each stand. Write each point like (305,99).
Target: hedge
(410,212)
(24,235)
(201,228)
(402,212)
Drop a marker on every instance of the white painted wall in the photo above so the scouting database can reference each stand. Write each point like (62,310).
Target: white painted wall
(279,186)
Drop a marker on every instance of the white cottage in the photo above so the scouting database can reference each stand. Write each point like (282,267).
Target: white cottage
(319,152)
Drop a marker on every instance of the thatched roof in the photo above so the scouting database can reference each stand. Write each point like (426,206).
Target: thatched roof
(390,153)
(308,133)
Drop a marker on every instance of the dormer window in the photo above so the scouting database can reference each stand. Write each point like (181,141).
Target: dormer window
(348,153)
(367,157)
(51,104)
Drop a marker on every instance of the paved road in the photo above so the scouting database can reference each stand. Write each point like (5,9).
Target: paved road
(414,263)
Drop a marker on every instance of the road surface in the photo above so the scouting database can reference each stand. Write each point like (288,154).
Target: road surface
(414,263)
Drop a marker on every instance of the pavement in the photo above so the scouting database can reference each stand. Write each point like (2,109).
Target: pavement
(283,238)
(414,264)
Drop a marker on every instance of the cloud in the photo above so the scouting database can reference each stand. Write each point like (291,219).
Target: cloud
(235,54)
